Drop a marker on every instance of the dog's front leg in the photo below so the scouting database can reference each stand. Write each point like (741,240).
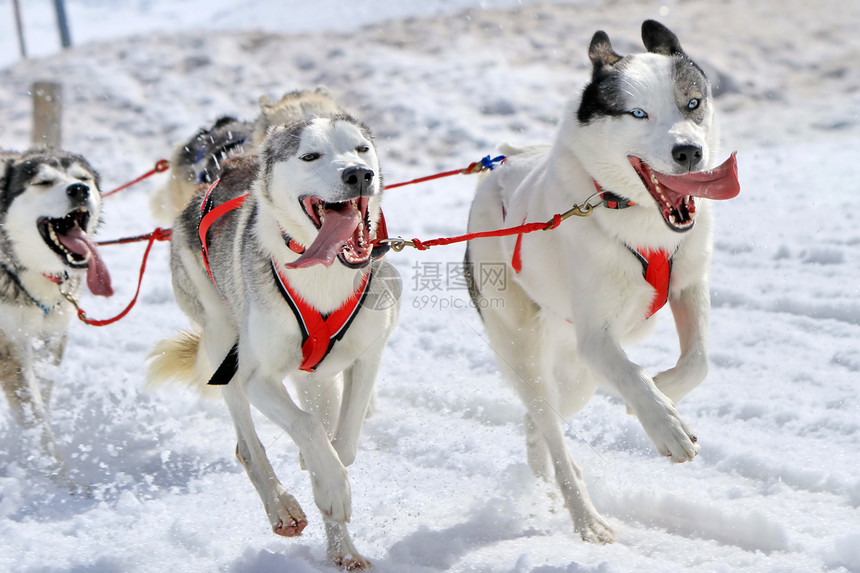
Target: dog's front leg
(284,512)
(690,309)
(28,406)
(358,382)
(658,416)
(328,476)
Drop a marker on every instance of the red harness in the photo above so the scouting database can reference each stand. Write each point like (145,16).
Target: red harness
(657,270)
(319,332)
(656,265)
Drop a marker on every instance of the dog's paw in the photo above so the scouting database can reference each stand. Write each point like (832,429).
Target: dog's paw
(672,436)
(351,562)
(286,516)
(594,529)
(341,550)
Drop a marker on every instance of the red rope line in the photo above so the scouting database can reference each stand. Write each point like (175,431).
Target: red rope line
(428,178)
(506,232)
(474,167)
(158,234)
(161,166)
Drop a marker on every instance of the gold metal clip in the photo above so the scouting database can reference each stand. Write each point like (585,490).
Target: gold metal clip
(82,316)
(397,243)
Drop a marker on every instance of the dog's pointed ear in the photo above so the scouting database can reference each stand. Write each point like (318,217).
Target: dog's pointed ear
(600,50)
(6,160)
(659,39)
(265,101)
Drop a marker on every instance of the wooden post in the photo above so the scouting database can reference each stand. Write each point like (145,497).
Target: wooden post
(47,114)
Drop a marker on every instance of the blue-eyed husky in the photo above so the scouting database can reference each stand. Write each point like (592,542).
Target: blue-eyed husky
(640,143)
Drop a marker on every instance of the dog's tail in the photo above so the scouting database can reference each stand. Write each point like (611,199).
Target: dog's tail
(177,360)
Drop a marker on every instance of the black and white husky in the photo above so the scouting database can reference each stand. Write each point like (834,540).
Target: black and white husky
(275,265)
(50,205)
(640,144)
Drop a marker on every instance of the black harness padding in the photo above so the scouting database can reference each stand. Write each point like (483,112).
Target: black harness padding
(228,368)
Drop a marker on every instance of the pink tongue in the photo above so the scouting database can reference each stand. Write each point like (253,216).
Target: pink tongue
(98,279)
(337,228)
(718,183)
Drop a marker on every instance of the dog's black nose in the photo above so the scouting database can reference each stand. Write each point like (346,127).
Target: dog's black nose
(687,155)
(78,192)
(357,179)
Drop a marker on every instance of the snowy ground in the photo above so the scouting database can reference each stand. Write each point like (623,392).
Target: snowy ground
(441,482)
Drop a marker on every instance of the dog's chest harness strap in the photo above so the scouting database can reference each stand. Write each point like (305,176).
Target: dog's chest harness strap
(208,215)
(320,332)
(657,270)
(17,285)
(656,265)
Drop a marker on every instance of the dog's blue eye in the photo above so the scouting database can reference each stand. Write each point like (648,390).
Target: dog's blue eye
(362,149)
(639,113)
(310,157)
(693,104)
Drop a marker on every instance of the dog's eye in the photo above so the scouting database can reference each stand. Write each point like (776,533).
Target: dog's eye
(693,104)
(44,182)
(362,149)
(639,113)
(310,157)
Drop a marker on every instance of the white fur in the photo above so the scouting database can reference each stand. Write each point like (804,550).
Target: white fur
(581,294)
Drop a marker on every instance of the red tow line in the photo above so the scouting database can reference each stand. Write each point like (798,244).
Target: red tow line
(158,234)
(161,166)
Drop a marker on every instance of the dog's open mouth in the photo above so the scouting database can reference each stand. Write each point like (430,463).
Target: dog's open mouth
(66,237)
(344,233)
(675,194)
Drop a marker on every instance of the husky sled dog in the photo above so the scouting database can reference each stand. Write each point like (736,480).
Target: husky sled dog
(50,205)
(198,161)
(280,286)
(643,134)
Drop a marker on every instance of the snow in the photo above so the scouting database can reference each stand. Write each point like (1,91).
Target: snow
(441,483)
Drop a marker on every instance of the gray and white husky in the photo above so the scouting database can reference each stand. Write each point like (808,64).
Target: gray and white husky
(50,205)
(640,144)
(289,285)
